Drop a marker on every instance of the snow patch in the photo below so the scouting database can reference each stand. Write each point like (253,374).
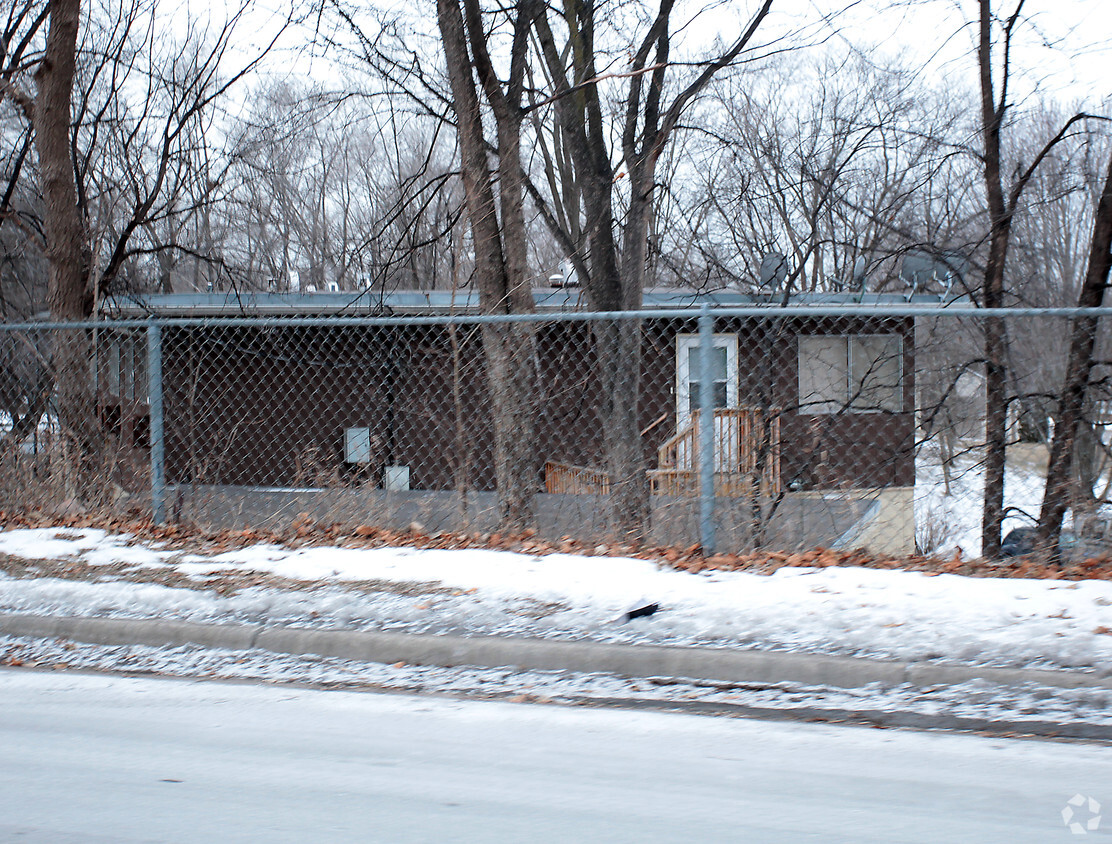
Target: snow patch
(839,610)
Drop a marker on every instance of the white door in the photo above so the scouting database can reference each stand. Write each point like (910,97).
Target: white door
(724,374)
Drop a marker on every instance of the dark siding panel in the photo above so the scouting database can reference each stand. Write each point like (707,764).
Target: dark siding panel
(269,406)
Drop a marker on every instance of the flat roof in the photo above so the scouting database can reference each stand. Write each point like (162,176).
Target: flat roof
(400,302)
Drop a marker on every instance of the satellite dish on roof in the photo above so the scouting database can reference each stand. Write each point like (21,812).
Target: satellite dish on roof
(774,271)
(860,267)
(925,270)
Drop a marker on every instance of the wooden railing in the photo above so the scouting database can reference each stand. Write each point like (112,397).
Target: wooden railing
(565,479)
(745,439)
(685,482)
(746,443)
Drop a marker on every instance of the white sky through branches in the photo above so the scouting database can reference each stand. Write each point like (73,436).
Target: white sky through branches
(1063,48)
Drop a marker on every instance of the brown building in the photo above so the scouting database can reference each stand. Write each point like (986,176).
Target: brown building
(812,405)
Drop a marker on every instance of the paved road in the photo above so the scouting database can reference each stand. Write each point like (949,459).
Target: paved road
(106,759)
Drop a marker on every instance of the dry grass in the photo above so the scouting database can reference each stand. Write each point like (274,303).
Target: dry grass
(1031,458)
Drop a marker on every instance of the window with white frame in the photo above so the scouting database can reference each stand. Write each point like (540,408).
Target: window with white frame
(855,373)
(688,371)
(125,366)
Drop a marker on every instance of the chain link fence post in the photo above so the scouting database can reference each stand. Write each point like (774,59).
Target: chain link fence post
(706,430)
(158,444)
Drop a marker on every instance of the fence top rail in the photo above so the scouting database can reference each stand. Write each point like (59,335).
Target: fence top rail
(763,312)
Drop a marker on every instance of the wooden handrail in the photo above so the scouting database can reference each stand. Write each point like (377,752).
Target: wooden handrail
(566,479)
(744,433)
(740,436)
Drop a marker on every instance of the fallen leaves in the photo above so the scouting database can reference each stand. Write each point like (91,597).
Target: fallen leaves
(305,530)
(529,698)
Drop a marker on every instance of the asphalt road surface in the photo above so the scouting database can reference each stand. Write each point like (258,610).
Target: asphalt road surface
(107,759)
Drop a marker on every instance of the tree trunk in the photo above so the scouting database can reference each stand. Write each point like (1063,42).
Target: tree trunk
(618,346)
(66,242)
(511,373)
(996,400)
(996,413)
(500,270)
(1075,387)
(618,365)
(67,248)
(1086,462)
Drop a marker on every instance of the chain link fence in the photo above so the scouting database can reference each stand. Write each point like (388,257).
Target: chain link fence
(837,427)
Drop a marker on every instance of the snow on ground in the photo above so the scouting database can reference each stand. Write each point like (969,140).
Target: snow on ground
(975,699)
(949,522)
(870,612)
(46,426)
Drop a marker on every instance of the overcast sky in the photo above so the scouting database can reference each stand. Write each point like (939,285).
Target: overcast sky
(1064,48)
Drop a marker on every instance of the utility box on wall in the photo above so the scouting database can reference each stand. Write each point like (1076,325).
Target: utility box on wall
(357,445)
(395,478)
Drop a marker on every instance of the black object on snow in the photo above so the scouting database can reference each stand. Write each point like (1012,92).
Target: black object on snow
(641,612)
(1018,542)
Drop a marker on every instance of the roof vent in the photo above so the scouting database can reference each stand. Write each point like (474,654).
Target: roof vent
(564,276)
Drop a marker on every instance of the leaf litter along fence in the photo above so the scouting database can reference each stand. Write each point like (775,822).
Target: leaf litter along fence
(837,427)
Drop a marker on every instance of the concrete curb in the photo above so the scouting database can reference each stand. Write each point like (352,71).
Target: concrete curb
(885,718)
(696,663)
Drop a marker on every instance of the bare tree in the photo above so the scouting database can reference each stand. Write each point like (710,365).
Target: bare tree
(1079,368)
(498,235)
(591,182)
(328,189)
(112,118)
(65,236)
(597,201)
(831,162)
(994,45)
(47,110)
